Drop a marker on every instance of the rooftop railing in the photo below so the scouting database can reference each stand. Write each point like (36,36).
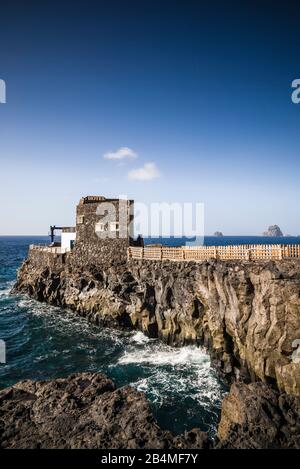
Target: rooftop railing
(69,229)
(49,249)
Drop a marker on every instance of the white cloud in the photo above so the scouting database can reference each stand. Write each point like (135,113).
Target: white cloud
(148,172)
(120,154)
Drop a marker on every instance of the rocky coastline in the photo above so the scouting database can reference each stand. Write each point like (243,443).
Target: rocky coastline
(84,411)
(247,314)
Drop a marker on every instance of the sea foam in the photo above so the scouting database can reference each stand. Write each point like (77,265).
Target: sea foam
(164,355)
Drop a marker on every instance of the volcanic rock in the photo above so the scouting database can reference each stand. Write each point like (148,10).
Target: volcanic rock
(84,410)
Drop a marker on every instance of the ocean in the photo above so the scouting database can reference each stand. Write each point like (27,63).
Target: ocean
(46,342)
(223,240)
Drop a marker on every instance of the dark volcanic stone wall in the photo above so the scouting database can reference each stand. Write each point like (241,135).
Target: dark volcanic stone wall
(105,248)
(90,212)
(106,253)
(43,259)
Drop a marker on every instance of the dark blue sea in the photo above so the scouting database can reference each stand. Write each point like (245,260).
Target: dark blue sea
(45,342)
(223,240)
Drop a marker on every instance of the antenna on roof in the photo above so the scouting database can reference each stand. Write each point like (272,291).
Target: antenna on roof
(52,230)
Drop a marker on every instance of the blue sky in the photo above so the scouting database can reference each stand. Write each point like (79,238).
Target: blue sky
(200,90)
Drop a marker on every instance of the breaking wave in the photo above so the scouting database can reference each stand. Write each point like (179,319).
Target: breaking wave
(5,289)
(178,381)
(164,355)
(140,338)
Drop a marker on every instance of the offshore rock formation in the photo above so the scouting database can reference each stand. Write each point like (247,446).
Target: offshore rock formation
(273,231)
(218,233)
(83,411)
(246,313)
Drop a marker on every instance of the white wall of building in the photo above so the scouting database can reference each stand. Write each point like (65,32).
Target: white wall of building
(66,239)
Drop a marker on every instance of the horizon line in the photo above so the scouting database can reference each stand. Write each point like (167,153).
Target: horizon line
(166,237)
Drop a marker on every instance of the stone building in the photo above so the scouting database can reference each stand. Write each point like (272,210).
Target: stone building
(104,229)
(100,239)
(99,218)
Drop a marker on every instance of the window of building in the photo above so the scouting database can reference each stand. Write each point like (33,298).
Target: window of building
(114,226)
(80,219)
(100,227)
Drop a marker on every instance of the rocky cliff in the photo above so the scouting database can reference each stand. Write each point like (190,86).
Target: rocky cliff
(83,411)
(246,313)
(256,416)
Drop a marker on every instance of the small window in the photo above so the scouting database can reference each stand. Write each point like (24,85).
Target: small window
(114,226)
(100,227)
(80,219)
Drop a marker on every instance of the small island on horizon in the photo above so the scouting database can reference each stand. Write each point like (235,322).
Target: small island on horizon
(273,231)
